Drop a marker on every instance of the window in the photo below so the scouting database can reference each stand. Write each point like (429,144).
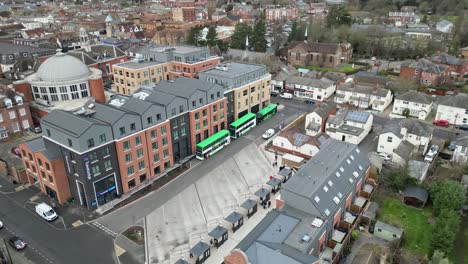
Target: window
(153,134)
(221,105)
(164,141)
(139,153)
(197,116)
(149,120)
(183,132)
(93,156)
(218,94)
(122,130)
(194,103)
(298,56)
(43,175)
(221,115)
(330,183)
(336,200)
(165,153)
(22,112)
(141,165)
(47,166)
(156,157)
(131,183)
(128,157)
(154,145)
(204,113)
(95,170)
(130,170)
(12,114)
(215,118)
(163,130)
(51,179)
(200,100)
(244,93)
(70,143)
(90,143)
(105,152)
(39,161)
(325,188)
(389,139)
(205,123)
(48,132)
(197,127)
(327,212)
(138,141)
(107,165)
(158,117)
(181,109)
(102,138)
(215,108)
(132,127)
(175,134)
(126,145)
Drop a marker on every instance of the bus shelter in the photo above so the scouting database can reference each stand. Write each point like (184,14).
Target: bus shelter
(236,220)
(263,194)
(284,174)
(201,251)
(275,183)
(219,235)
(251,207)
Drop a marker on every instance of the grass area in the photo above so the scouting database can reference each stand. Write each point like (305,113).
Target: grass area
(418,232)
(349,68)
(317,68)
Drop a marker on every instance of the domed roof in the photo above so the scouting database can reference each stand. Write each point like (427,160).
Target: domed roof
(62,67)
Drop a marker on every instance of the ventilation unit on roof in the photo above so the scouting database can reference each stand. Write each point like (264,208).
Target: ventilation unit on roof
(91,106)
(305,239)
(317,222)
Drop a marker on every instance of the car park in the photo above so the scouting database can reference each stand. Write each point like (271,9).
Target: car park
(268,134)
(429,157)
(441,123)
(433,150)
(46,212)
(17,243)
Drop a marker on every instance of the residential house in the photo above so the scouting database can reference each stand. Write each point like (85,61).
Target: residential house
(317,89)
(318,210)
(295,142)
(315,122)
(403,18)
(460,155)
(279,79)
(363,96)
(280,13)
(319,54)
(371,79)
(457,65)
(402,138)
(418,104)
(426,72)
(453,109)
(349,126)
(444,26)
(15,115)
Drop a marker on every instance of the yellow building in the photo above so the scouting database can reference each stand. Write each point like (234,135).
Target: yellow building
(130,75)
(252,97)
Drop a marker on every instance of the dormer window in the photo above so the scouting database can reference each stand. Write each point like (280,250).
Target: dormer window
(19,100)
(8,103)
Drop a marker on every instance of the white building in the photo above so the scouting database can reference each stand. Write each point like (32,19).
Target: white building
(418,104)
(315,121)
(460,154)
(298,144)
(349,126)
(444,26)
(401,138)
(316,89)
(453,109)
(363,96)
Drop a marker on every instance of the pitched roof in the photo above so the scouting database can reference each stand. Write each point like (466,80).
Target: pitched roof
(69,123)
(327,48)
(363,89)
(414,96)
(445,58)
(404,150)
(427,66)
(325,109)
(416,192)
(417,127)
(460,101)
(393,126)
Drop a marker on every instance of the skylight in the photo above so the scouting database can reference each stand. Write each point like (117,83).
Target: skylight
(325,188)
(317,199)
(341,169)
(337,174)
(336,200)
(327,212)
(351,180)
(355,174)
(360,167)
(330,183)
(358,151)
(348,161)
(352,157)
(340,195)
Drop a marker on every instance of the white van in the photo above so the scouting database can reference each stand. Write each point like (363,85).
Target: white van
(268,134)
(286,95)
(46,212)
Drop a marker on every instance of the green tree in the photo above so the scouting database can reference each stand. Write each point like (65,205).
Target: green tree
(398,179)
(439,258)
(211,37)
(222,46)
(193,37)
(294,31)
(446,194)
(259,42)
(337,16)
(241,32)
(444,232)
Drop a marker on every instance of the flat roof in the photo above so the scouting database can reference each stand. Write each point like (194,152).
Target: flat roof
(234,69)
(138,65)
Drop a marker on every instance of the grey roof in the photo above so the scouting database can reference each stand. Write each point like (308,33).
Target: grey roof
(443,23)
(427,66)
(325,109)
(261,253)
(262,192)
(160,98)
(107,113)
(462,141)
(390,228)
(248,204)
(8,48)
(363,89)
(370,77)
(69,123)
(233,217)
(416,192)
(136,105)
(234,69)
(183,86)
(404,150)
(417,127)
(330,161)
(413,96)
(274,182)
(357,116)
(200,248)
(181,261)
(445,58)
(36,144)
(418,169)
(217,232)
(352,130)
(372,210)
(322,83)
(285,172)
(459,100)
(138,65)
(393,126)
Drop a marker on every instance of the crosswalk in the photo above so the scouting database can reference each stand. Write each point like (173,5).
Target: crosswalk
(103,228)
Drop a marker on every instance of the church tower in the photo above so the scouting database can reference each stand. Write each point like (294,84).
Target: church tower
(211,7)
(84,40)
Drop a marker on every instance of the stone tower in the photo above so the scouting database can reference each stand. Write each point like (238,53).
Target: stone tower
(84,40)
(109,21)
(211,7)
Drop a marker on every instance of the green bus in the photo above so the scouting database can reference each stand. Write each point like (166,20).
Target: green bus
(266,112)
(242,125)
(213,144)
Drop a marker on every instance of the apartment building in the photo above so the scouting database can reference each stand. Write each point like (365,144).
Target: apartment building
(15,116)
(319,209)
(130,75)
(246,86)
(317,89)
(181,60)
(426,72)
(114,149)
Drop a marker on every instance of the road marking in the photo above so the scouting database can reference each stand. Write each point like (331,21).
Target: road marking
(77,223)
(34,198)
(118,250)
(19,188)
(105,229)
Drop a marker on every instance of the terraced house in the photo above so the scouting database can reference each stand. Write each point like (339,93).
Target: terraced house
(320,206)
(103,151)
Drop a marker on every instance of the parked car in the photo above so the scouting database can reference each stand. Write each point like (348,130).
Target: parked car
(46,212)
(17,243)
(36,130)
(16,151)
(434,149)
(274,93)
(286,96)
(451,146)
(268,134)
(308,101)
(462,127)
(385,156)
(429,157)
(442,123)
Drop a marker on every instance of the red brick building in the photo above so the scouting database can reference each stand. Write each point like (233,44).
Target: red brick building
(319,54)
(426,72)
(15,114)
(458,65)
